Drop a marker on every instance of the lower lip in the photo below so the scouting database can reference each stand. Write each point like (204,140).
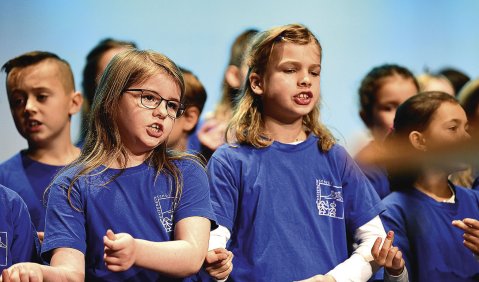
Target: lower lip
(154,133)
(33,129)
(302,102)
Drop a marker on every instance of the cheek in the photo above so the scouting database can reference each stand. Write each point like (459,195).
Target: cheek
(168,125)
(384,119)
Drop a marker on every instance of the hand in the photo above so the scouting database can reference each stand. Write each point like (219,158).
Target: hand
(212,134)
(41,236)
(120,251)
(388,256)
(320,278)
(22,272)
(218,263)
(471,233)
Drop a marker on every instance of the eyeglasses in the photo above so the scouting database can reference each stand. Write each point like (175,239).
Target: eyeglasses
(152,100)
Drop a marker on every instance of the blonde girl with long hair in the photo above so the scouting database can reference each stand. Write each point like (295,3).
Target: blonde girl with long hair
(286,196)
(128,209)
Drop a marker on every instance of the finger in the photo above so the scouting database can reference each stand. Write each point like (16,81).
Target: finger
(472,247)
(110,235)
(461,225)
(211,257)
(375,248)
(220,251)
(227,271)
(398,262)
(386,246)
(390,256)
(5,276)
(115,268)
(14,276)
(109,244)
(24,275)
(41,236)
(109,260)
(472,239)
(471,223)
(33,277)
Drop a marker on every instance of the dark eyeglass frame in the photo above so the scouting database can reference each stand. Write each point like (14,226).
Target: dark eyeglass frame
(181,106)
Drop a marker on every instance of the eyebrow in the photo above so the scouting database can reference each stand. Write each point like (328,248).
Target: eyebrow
(156,93)
(297,63)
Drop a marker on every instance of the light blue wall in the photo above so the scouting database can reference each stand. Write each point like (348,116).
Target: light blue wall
(356,35)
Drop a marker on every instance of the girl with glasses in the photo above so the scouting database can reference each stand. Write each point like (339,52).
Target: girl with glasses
(128,208)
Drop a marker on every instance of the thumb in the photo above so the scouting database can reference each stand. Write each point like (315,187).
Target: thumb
(108,239)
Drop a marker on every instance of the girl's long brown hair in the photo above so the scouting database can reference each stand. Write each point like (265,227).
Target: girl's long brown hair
(103,142)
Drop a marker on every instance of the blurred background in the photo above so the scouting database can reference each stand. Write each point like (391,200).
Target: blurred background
(355,35)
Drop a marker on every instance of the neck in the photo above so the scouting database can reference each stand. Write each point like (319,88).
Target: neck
(58,152)
(134,159)
(182,144)
(434,184)
(284,132)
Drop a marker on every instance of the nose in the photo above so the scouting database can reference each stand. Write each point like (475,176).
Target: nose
(305,80)
(30,105)
(161,111)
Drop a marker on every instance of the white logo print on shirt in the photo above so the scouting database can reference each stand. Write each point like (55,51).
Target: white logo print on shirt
(3,248)
(164,209)
(329,199)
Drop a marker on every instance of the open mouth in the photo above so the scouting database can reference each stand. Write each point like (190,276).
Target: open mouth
(33,125)
(156,127)
(155,130)
(303,98)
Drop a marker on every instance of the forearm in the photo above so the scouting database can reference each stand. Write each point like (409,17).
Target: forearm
(60,273)
(174,258)
(359,266)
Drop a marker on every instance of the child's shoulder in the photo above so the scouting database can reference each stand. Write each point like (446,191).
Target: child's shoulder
(466,192)
(12,163)
(397,197)
(8,197)
(189,163)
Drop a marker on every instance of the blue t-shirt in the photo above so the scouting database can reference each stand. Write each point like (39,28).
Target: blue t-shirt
(432,247)
(18,238)
(134,202)
(290,208)
(29,179)
(378,178)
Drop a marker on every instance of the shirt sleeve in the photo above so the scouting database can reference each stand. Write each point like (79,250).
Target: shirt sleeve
(195,197)
(24,244)
(361,201)
(65,218)
(358,267)
(224,192)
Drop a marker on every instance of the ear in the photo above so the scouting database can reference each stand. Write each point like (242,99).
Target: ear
(418,141)
(190,118)
(75,103)
(232,76)
(256,83)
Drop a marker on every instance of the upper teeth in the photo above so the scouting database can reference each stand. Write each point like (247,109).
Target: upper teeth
(155,126)
(34,123)
(303,96)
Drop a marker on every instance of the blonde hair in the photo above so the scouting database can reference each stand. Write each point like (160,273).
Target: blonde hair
(247,124)
(103,141)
